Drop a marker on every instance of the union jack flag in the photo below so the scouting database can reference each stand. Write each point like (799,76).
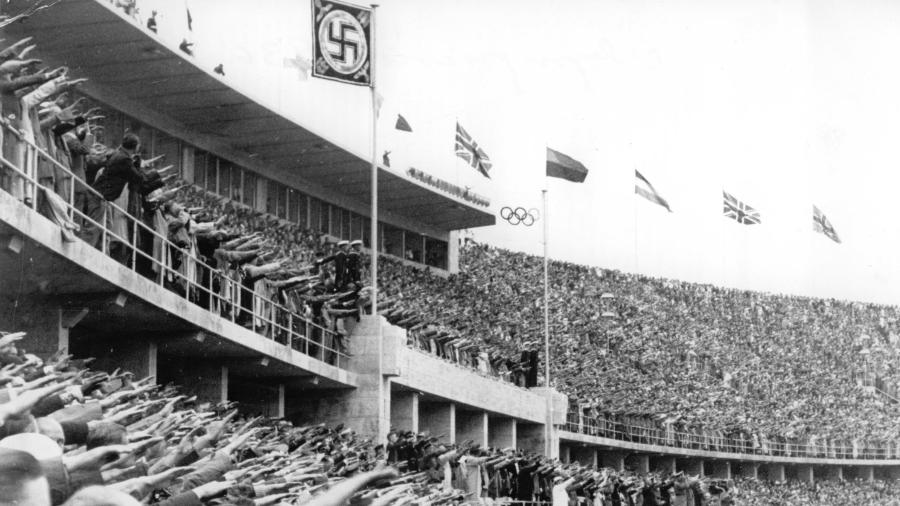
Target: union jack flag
(739,211)
(471,152)
(823,226)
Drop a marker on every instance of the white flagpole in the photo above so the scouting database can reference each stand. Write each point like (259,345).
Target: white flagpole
(549,422)
(374,243)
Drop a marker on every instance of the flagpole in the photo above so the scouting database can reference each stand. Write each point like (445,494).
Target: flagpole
(549,421)
(374,243)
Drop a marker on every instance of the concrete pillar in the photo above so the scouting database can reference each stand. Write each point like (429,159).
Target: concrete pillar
(565,455)
(775,472)
(691,467)
(747,470)
(405,410)
(584,455)
(472,425)
(638,463)
(502,433)
(453,252)
(805,473)
(720,469)
(530,437)
(279,406)
(359,408)
(612,459)
(439,420)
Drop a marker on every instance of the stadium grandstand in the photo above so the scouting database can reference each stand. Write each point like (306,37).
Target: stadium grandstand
(187,316)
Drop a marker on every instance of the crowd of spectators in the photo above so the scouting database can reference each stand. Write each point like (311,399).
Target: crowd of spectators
(81,437)
(673,356)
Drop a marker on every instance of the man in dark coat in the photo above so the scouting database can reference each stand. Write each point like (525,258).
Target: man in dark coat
(340,265)
(121,169)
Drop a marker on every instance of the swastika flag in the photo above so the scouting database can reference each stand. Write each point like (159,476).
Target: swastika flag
(342,42)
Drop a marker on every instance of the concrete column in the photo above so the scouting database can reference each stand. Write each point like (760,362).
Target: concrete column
(612,459)
(720,469)
(405,410)
(775,472)
(565,454)
(747,470)
(663,464)
(472,425)
(279,408)
(691,467)
(584,455)
(639,463)
(359,408)
(439,420)
(453,252)
(805,473)
(502,433)
(530,437)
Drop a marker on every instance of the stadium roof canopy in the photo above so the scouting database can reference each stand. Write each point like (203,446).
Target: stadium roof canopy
(99,42)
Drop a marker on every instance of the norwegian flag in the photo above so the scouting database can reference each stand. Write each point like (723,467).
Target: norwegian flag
(471,152)
(739,211)
(823,226)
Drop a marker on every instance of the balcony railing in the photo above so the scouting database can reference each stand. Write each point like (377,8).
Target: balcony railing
(613,427)
(231,300)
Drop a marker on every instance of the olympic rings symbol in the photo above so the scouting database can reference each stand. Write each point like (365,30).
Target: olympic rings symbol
(519,215)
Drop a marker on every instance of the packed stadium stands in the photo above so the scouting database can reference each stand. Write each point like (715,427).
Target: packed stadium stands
(643,360)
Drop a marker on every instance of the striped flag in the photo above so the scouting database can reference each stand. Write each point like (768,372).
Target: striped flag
(643,188)
(471,152)
(739,211)
(823,226)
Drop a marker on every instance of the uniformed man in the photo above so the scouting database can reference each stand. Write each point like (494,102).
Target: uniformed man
(340,265)
(354,262)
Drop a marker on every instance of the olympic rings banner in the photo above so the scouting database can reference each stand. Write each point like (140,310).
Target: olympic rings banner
(342,42)
(519,215)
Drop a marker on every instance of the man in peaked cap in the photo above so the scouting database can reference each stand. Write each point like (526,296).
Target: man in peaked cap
(354,263)
(340,265)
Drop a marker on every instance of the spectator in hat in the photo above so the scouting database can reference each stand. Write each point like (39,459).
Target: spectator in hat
(340,265)
(354,260)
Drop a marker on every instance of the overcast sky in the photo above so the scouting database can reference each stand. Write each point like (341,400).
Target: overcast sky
(784,104)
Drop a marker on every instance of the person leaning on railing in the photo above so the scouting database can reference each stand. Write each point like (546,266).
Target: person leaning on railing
(121,170)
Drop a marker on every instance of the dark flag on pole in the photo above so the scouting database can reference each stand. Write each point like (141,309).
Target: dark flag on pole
(342,42)
(565,167)
(470,151)
(823,226)
(402,124)
(190,20)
